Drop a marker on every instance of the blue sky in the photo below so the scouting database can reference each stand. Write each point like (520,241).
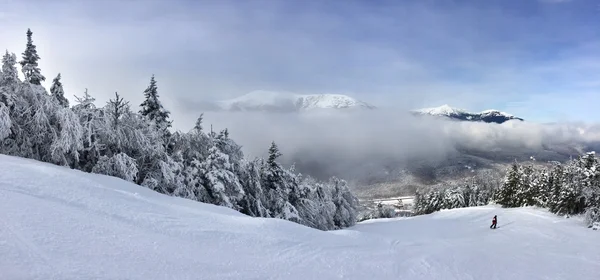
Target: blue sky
(533,58)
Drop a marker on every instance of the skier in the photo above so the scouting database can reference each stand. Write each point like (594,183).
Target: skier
(494,222)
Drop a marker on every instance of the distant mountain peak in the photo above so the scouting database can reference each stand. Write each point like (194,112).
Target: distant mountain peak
(288,102)
(445,110)
(488,116)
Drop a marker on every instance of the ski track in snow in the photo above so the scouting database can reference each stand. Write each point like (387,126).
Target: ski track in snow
(57,223)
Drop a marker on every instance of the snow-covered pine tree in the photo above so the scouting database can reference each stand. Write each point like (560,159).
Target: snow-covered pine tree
(90,120)
(453,198)
(272,167)
(119,165)
(198,125)
(506,194)
(131,133)
(542,184)
(569,200)
(555,184)
(9,79)
(65,149)
(57,92)
(345,203)
(117,108)
(528,189)
(253,203)
(10,74)
(153,109)
(278,184)
(29,63)
(591,187)
(220,180)
(5,121)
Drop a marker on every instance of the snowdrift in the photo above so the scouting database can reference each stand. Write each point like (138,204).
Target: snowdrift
(57,223)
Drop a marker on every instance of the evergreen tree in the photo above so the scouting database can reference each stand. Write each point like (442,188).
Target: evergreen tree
(220,180)
(9,80)
(9,71)
(273,155)
(29,63)
(253,203)
(198,124)
(506,195)
(153,109)
(117,108)
(58,93)
(90,119)
(345,204)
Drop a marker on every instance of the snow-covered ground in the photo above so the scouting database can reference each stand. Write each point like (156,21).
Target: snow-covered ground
(57,223)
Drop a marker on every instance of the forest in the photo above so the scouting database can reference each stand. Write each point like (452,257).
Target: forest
(140,146)
(566,189)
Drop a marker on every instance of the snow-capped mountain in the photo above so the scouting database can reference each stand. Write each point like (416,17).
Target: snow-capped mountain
(488,116)
(288,102)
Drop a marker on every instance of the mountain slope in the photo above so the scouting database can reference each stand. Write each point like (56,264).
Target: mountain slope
(286,102)
(488,116)
(57,223)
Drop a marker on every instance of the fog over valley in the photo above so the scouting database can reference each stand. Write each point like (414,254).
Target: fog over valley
(370,146)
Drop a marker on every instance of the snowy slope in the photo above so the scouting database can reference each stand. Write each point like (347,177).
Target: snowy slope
(57,223)
(289,102)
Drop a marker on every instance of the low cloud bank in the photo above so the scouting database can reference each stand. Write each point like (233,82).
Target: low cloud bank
(330,142)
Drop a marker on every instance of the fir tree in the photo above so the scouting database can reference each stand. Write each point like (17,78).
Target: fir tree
(29,63)
(273,155)
(118,107)
(153,109)
(220,180)
(58,93)
(89,117)
(9,74)
(273,170)
(8,80)
(198,124)
(506,195)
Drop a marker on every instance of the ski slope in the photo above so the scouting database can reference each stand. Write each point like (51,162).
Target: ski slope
(57,223)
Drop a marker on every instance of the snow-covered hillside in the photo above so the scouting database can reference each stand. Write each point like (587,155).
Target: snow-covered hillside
(287,102)
(489,116)
(57,223)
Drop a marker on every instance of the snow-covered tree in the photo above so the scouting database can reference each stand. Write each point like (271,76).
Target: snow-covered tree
(9,79)
(253,203)
(220,180)
(9,71)
(506,195)
(198,124)
(118,107)
(153,109)
(58,93)
(5,122)
(345,203)
(29,64)
(90,119)
(120,165)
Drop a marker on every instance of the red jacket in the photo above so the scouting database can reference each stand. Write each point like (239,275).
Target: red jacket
(494,220)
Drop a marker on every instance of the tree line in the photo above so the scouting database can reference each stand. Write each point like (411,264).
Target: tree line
(140,147)
(571,188)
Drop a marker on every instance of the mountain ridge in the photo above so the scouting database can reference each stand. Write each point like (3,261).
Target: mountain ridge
(487,116)
(270,101)
(286,102)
